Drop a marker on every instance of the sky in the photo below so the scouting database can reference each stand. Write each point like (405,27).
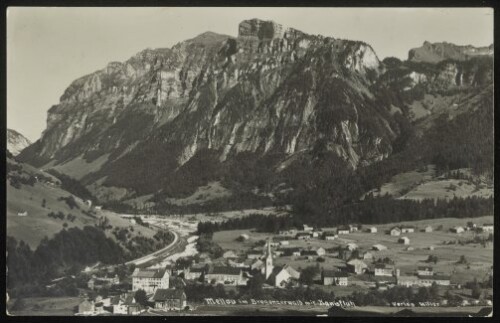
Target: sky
(48,48)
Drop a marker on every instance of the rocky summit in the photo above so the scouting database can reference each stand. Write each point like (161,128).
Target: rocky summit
(16,142)
(170,120)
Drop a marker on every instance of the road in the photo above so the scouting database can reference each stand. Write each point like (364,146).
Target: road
(153,255)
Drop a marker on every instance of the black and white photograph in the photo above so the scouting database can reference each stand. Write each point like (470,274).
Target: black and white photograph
(249,161)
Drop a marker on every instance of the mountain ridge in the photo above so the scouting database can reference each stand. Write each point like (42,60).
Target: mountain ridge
(270,94)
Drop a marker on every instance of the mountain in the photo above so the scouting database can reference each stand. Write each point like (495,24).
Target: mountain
(259,114)
(16,142)
(437,52)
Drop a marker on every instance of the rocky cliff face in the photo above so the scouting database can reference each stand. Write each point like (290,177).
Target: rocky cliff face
(437,52)
(16,142)
(194,108)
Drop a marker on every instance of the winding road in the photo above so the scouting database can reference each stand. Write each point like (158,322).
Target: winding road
(157,253)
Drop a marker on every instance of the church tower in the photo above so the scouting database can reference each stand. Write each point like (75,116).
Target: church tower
(269,260)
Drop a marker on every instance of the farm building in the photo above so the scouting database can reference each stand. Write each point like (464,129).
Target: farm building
(244,236)
(303,236)
(407,281)
(428,228)
(379,247)
(404,240)
(383,270)
(334,277)
(351,246)
(225,275)
(169,299)
(457,229)
(425,271)
(372,230)
(254,254)
(429,280)
(353,227)
(23,213)
(395,231)
(367,255)
(230,254)
(329,236)
(307,228)
(194,272)
(356,266)
(488,227)
(281,275)
(86,307)
(343,230)
(407,229)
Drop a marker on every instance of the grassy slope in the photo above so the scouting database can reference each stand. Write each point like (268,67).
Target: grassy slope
(37,224)
(417,185)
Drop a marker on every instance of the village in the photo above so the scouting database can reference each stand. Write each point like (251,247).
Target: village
(346,258)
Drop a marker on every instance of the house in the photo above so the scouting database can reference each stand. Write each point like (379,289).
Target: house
(230,254)
(254,254)
(428,229)
(404,240)
(134,309)
(24,213)
(281,275)
(351,246)
(316,234)
(150,279)
(367,255)
(86,307)
(429,280)
(194,272)
(488,227)
(356,266)
(244,236)
(120,303)
(353,227)
(343,230)
(329,236)
(288,233)
(372,229)
(379,247)
(383,270)
(313,252)
(98,207)
(257,265)
(395,231)
(334,277)
(410,249)
(407,281)
(284,243)
(303,236)
(169,299)
(457,229)
(307,228)
(425,271)
(407,229)
(225,275)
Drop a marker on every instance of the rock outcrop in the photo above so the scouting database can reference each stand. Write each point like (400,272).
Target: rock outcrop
(437,52)
(16,142)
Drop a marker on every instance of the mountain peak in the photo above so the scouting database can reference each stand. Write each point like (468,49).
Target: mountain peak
(437,52)
(16,142)
(265,29)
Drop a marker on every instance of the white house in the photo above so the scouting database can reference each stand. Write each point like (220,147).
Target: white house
(225,275)
(343,230)
(404,240)
(407,229)
(457,229)
(395,231)
(425,271)
(379,247)
(488,227)
(329,236)
(24,213)
(150,279)
(281,275)
(428,229)
(383,270)
(372,230)
(351,246)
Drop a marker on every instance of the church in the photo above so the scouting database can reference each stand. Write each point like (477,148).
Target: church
(277,276)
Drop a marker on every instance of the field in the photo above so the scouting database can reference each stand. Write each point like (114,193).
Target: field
(48,306)
(36,225)
(425,184)
(480,259)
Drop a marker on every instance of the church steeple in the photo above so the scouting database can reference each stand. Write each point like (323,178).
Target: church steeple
(269,260)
